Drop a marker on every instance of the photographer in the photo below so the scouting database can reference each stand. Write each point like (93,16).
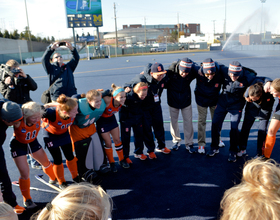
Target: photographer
(15,84)
(61,74)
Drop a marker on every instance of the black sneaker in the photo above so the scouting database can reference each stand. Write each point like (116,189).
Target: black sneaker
(212,152)
(113,167)
(104,169)
(63,186)
(29,204)
(232,157)
(191,149)
(77,179)
(124,164)
(176,146)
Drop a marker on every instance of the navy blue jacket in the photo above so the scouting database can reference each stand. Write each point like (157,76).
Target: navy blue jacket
(267,100)
(154,87)
(207,91)
(178,88)
(65,83)
(132,108)
(232,92)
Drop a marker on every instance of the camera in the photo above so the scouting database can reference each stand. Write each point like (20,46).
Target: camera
(15,71)
(62,44)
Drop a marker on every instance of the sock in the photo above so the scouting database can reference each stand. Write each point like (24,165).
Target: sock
(72,167)
(24,186)
(59,173)
(119,149)
(269,144)
(109,153)
(49,171)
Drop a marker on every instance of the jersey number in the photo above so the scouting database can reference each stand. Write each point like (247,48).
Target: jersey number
(30,136)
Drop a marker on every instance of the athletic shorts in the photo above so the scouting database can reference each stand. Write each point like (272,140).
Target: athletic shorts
(276,114)
(106,124)
(53,141)
(18,149)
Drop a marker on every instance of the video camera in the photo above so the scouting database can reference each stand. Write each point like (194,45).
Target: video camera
(6,72)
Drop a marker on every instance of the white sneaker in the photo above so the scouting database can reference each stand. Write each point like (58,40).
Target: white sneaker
(201,150)
(222,144)
(241,153)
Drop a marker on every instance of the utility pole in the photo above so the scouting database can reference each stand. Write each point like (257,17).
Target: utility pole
(214,26)
(116,49)
(29,35)
(145,31)
(178,26)
(225,36)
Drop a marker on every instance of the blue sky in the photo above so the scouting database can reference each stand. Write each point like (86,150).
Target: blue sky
(47,17)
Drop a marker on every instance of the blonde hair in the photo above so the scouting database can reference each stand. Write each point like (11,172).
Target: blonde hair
(66,103)
(276,84)
(31,108)
(257,197)
(115,88)
(79,202)
(12,63)
(7,212)
(91,94)
(138,85)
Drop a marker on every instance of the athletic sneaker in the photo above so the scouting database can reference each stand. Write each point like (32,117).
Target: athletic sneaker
(140,156)
(176,146)
(241,153)
(212,152)
(77,179)
(191,148)
(222,144)
(128,160)
(63,186)
(232,157)
(52,181)
(19,209)
(163,150)
(124,164)
(113,167)
(152,155)
(29,204)
(201,150)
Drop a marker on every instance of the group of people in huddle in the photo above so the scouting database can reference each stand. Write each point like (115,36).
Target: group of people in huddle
(84,125)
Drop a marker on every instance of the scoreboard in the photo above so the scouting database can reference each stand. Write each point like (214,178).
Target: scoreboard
(83,13)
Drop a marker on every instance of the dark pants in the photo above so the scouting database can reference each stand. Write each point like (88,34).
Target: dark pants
(217,122)
(6,186)
(252,113)
(126,134)
(56,153)
(153,118)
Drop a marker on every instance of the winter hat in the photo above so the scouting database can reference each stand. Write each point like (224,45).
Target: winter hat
(158,69)
(11,112)
(185,65)
(208,66)
(235,68)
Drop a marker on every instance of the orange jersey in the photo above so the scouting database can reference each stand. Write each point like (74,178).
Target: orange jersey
(25,134)
(111,109)
(57,127)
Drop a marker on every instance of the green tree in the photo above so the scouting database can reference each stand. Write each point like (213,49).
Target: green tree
(15,34)
(52,39)
(1,35)
(174,36)
(6,34)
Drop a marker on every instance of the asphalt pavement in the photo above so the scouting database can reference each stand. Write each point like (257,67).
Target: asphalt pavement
(176,186)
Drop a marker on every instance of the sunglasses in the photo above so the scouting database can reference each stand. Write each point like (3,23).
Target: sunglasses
(58,57)
(206,74)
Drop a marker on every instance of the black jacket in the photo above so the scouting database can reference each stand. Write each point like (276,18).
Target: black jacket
(207,91)
(155,87)
(20,92)
(178,88)
(65,83)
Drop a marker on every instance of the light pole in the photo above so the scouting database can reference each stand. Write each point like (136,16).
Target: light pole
(262,1)
(116,49)
(29,35)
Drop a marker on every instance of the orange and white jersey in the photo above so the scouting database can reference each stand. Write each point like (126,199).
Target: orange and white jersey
(110,109)
(26,134)
(57,127)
